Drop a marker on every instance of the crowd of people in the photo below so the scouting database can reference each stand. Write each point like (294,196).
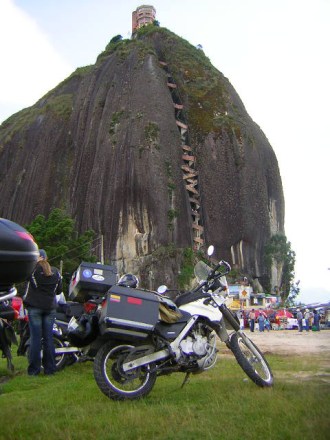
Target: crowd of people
(258,319)
(307,320)
(252,318)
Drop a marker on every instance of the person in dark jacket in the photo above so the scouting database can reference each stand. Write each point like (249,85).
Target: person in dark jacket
(316,320)
(44,284)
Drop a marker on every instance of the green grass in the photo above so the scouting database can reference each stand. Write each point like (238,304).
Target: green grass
(219,404)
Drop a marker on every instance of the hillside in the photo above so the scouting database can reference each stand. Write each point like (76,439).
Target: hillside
(152,147)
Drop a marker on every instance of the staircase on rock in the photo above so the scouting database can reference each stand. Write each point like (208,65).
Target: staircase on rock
(190,174)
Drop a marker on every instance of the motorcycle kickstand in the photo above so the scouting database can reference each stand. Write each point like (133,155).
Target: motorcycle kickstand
(186,380)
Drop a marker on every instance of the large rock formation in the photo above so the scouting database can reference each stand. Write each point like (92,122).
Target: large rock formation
(107,146)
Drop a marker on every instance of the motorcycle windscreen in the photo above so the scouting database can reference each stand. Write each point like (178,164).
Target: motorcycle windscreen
(201,271)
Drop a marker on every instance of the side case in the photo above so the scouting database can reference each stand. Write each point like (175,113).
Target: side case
(129,312)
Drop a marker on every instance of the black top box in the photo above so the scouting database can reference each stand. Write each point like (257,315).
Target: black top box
(91,280)
(129,311)
(18,253)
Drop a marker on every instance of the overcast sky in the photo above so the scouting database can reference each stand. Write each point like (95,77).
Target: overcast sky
(274,52)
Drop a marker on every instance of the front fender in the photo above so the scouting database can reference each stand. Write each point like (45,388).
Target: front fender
(199,308)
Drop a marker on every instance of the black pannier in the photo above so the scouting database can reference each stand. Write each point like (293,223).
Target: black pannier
(18,253)
(129,312)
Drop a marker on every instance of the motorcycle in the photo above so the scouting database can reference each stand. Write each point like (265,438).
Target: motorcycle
(65,353)
(143,334)
(18,257)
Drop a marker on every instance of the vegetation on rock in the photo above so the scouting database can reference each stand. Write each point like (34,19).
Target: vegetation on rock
(278,251)
(58,236)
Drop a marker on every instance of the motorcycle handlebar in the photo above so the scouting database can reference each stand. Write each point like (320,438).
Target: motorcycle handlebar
(8,295)
(227,265)
(217,267)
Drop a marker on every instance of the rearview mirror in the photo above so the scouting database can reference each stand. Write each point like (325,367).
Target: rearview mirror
(210,250)
(162,289)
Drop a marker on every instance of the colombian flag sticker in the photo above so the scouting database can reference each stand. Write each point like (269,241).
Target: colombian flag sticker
(115,298)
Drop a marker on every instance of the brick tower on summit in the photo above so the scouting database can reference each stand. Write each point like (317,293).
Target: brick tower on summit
(142,16)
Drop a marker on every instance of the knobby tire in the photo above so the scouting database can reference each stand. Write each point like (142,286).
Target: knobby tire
(249,358)
(109,381)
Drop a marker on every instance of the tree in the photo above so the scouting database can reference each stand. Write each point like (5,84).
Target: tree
(294,292)
(116,39)
(278,251)
(57,235)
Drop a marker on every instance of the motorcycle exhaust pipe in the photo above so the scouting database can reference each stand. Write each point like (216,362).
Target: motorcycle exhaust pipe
(65,350)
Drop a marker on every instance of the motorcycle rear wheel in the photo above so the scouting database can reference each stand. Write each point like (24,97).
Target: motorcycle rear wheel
(113,381)
(250,359)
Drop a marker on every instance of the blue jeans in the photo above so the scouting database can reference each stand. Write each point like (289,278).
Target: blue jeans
(261,326)
(41,332)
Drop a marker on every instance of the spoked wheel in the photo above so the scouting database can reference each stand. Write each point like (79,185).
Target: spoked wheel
(113,381)
(61,359)
(251,359)
(7,336)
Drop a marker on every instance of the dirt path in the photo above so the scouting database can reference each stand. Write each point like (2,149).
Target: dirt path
(292,342)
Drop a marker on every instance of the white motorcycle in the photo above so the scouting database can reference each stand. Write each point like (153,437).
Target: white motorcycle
(181,336)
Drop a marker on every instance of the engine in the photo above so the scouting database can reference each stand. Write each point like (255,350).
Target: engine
(198,350)
(194,345)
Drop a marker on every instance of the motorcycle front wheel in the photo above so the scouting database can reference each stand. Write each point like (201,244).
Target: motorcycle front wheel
(113,381)
(250,359)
